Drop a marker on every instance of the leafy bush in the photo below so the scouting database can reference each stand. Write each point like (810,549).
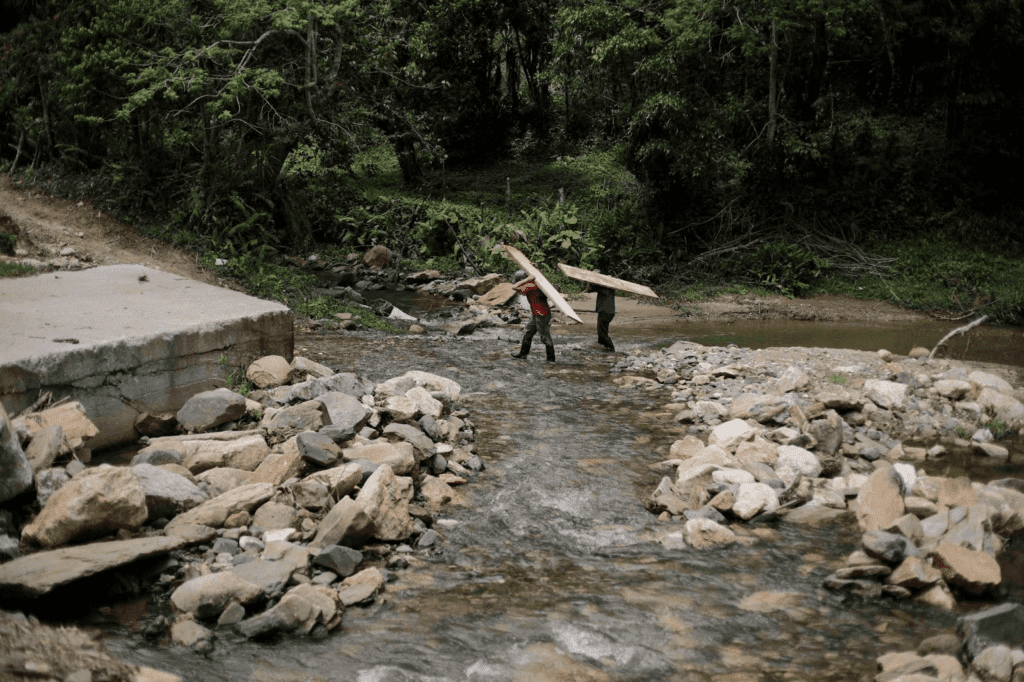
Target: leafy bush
(789,269)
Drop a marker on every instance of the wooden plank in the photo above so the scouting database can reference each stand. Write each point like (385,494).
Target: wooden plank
(592,277)
(547,287)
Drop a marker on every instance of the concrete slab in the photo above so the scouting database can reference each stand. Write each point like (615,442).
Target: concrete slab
(124,339)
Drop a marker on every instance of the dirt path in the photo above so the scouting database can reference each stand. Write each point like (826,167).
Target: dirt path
(46,225)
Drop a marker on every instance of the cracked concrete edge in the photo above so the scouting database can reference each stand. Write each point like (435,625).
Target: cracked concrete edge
(117,381)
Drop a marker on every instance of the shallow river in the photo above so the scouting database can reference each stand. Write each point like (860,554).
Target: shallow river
(551,570)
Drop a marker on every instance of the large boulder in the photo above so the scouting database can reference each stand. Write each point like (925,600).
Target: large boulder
(15,470)
(97,502)
(208,409)
(972,571)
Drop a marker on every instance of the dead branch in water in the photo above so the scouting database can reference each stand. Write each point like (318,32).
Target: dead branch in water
(958,330)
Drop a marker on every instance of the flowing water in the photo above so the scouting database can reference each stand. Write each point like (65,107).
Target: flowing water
(550,568)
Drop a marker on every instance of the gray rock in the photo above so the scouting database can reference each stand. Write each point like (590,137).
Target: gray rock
(888,547)
(207,595)
(208,409)
(346,411)
(997,625)
(49,481)
(341,560)
(993,664)
(10,548)
(384,502)
(291,421)
(158,456)
(225,546)
(346,524)
(192,636)
(423,446)
(15,470)
(343,382)
(167,494)
(318,448)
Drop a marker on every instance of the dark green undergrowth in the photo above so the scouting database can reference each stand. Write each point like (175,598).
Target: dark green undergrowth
(585,210)
(16,270)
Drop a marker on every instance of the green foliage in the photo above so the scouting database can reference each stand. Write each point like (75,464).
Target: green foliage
(318,308)
(234,377)
(789,269)
(837,378)
(8,269)
(7,243)
(998,429)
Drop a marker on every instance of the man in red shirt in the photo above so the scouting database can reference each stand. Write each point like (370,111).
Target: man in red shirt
(541,318)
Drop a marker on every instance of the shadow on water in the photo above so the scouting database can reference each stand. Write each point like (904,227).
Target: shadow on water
(551,568)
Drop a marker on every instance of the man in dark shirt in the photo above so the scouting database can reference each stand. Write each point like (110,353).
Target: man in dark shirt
(540,321)
(605,308)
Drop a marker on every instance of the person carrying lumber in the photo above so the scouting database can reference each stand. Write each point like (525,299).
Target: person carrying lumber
(540,320)
(605,309)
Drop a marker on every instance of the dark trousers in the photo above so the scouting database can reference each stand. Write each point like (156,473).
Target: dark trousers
(539,324)
(604,320)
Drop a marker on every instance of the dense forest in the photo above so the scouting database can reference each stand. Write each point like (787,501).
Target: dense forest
(755,130)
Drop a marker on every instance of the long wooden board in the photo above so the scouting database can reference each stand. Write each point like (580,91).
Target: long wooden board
(592,277)
(549,290)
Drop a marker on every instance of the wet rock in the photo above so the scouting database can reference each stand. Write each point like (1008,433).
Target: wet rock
(888,547)
(998,625)
(39,573)
(705,533)
(993,664)
(207,595)
(17,471)
(754,498)
(915,574)
(863,588)
(208,409)
(436,493)
(97,502)
(938,596)
(341,560)
(270,371)
(192,636)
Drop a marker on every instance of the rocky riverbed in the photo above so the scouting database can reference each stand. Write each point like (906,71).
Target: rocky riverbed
(278,511)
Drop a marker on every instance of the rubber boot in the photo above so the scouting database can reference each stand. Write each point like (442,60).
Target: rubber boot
(551,353)
(524,350)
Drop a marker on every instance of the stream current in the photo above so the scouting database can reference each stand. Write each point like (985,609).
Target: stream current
(550,569)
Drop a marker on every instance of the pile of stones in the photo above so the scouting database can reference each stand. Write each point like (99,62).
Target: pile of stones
(274,512)
(775,433)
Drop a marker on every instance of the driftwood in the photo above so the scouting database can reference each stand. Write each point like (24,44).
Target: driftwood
(958,330)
